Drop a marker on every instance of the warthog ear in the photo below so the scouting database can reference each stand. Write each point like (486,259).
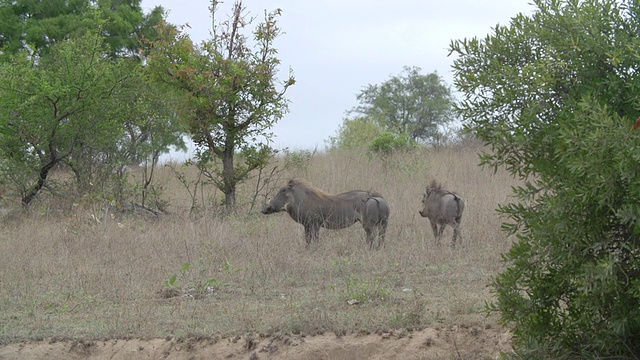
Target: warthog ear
(290,183)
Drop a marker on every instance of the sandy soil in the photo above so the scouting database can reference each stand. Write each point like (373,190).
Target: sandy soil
(445,343)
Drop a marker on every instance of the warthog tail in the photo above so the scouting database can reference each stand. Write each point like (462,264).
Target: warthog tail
(382,213)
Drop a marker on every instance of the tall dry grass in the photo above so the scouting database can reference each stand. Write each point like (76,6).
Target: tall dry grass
(93,274)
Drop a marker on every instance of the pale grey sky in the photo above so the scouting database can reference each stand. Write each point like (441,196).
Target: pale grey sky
(337,47)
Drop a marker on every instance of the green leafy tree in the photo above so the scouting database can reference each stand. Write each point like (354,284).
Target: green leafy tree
(145,128)
(72,107)
(28,32)
(231,94)
(554,96)
(37,25)
(408,104)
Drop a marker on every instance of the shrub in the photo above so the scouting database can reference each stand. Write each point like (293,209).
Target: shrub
(388,143)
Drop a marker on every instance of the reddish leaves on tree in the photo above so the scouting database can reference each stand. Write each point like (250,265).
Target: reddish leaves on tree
(636,124)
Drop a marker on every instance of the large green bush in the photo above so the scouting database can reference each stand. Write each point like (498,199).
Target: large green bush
(554,96)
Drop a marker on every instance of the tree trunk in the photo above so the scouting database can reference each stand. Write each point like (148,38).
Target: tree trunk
(228,180)
(35,189)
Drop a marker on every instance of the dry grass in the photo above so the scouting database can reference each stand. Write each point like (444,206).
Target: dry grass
(72,276)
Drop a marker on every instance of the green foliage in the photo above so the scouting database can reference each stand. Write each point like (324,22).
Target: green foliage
(230,94)
(388,143)
(66,105)
(192,284)
(38,25)
(364,290)
(357,133)
(64,109)
(298,159)
(410,104)
(554,96)
(118,120)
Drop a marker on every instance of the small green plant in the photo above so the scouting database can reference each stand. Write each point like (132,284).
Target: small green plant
(365,291)
(228,267)
(172,282)
(341,265)
(207,285)
(189,284)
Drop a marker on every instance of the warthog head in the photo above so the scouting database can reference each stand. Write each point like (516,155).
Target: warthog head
(425,201)
(280,202)
(430,198)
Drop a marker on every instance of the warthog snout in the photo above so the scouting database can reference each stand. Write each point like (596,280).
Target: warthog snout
(268,209)
(275,205)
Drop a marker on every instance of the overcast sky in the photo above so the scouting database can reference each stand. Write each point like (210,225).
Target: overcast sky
(337,47)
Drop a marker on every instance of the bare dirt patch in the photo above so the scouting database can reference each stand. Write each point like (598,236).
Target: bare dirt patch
(445,343)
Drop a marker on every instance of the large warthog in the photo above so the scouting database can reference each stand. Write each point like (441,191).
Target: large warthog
(442,208)
(314,208)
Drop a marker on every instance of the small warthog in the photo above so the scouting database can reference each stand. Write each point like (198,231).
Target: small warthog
(442,207)
(313,208)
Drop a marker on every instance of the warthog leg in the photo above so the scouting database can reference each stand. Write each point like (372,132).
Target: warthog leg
(373,234)
(441,231)
(456,234)
(376,235)
(436,232)
(370,237)
(382,232)
(311,232)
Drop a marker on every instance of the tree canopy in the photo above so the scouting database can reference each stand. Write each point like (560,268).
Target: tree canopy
(39,24)
(231,96)
(354,133)
(408,104)
(554,96)
(71,106)
(68,100)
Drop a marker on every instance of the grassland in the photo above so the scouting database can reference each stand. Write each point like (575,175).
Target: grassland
(82,271)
